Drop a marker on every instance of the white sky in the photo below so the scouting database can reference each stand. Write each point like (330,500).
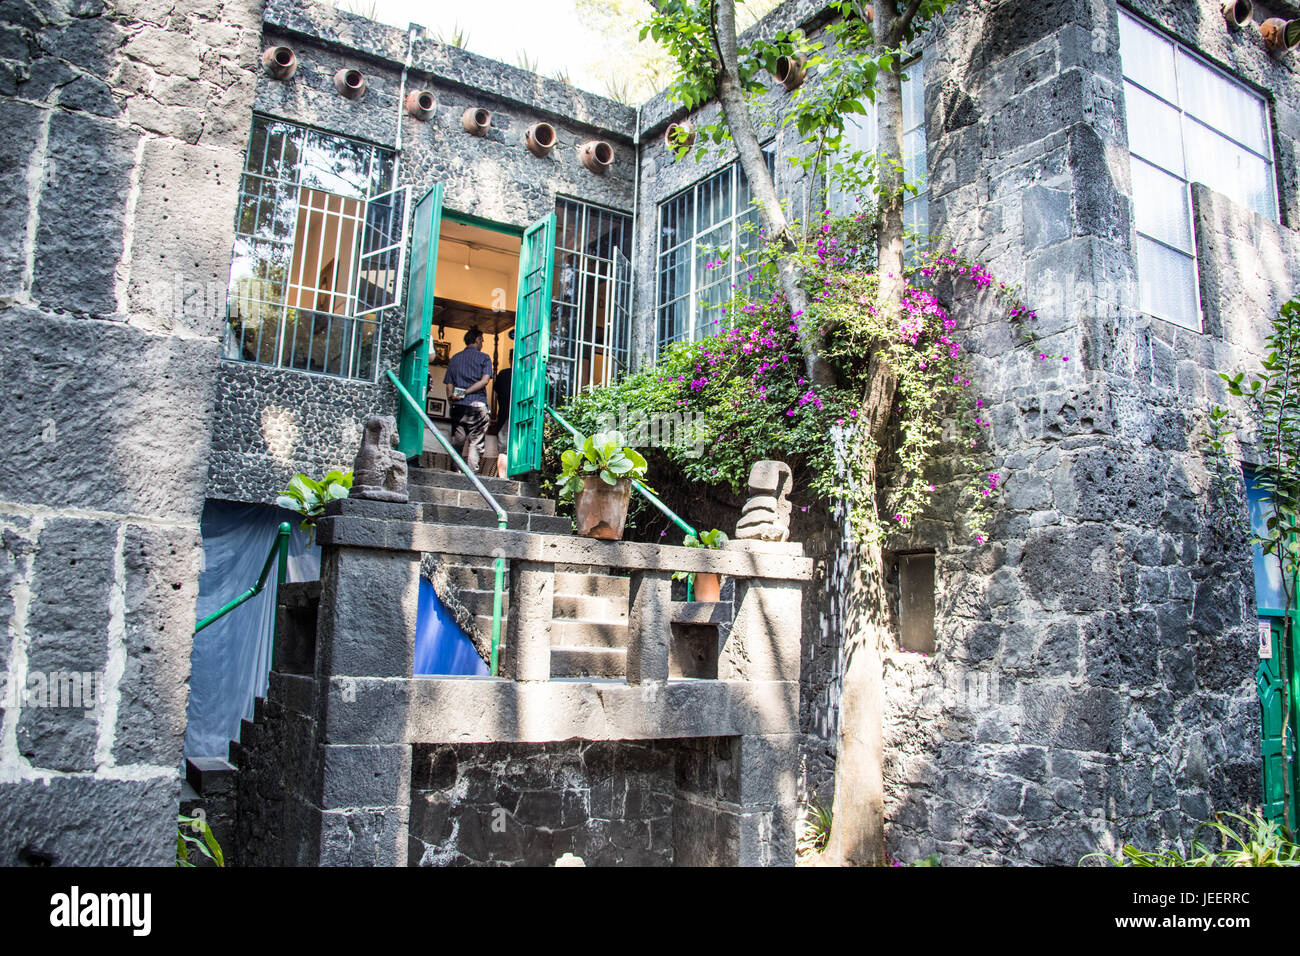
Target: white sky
(549,30)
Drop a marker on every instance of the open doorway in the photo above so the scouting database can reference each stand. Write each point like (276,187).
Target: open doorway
(476,286)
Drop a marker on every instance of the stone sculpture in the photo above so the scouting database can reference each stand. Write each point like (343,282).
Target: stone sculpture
(379,471)
(766,515)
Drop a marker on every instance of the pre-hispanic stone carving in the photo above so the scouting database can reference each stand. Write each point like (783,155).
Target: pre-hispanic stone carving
(766,515)
(379,470)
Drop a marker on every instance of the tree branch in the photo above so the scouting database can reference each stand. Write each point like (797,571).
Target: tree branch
(903,23)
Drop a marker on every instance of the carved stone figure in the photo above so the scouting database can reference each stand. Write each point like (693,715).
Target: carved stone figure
(766,515)
(379,471)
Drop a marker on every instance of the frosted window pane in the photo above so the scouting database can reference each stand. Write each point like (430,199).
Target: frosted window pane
(1160,206)
(1154,130)
(913,96)
(1168,284)
(916,214)
(1148,57)
(914,157)
(1222,104)
(1227,168)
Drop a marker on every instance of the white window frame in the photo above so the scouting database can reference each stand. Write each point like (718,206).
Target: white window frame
(1185,116)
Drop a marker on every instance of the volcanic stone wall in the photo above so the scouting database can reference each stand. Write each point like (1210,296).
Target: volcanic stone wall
(124,128)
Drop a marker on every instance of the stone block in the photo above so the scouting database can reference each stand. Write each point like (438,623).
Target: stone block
(369,602)
(364,776)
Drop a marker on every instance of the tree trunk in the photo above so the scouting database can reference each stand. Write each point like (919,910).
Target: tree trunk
(731,96)
(858,812)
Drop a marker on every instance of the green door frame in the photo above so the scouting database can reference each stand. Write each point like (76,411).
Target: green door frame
(414,372)
(532,347)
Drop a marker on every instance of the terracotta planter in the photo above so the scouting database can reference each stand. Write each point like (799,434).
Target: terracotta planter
(350,83)
(708,586)
(1280,35)
(540,139)
(601,509)
(279,62)
(790,72)
(1236,12)
(476,120)
(420,104)
(597,155)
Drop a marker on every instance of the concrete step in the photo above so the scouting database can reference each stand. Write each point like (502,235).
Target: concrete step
(586,608)
(472,577)
(209,775)
(454,479)
(478,601)
(588,662)
(591,585)
(484,518)
(459,497)
(602,634)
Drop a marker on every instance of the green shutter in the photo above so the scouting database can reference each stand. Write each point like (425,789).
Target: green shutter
(419,319)
(532,347)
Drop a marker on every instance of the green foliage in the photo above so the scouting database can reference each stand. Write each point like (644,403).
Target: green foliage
(603,454)
(309,497)
(457,36)
(816,832)
(1250,841)
(712,540)
(748,399)
(194,833)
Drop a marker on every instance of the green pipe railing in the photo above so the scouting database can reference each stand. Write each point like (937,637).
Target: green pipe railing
(645,492)
(280,548)
(487,496)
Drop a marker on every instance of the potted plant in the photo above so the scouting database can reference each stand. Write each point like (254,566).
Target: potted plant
(598,473)
(309,497)
(707,584)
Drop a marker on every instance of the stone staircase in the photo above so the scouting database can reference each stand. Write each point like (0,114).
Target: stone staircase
(589,634)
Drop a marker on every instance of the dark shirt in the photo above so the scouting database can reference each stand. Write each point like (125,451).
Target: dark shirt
(465,368)
(501,390)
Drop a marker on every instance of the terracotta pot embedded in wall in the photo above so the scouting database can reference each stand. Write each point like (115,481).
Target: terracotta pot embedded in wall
(597,155)
(350,83)
(686,132)
(279,62)
(1280,35)
(420,104)
(476,120)
(1237,12)
(540,139)
(790,72)
(708,586)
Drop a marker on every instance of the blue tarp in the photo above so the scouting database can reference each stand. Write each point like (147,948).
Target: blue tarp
(441,647)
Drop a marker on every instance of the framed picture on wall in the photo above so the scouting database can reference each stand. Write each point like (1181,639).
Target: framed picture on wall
(436,407)
(441,352)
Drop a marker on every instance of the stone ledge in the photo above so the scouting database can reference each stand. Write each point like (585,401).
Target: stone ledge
(431,710)
(358,532)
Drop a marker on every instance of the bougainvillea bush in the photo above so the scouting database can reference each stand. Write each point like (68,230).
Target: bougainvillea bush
(751,399)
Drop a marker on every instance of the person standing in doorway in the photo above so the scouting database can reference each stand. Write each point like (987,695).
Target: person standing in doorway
(468,374)
(501,410)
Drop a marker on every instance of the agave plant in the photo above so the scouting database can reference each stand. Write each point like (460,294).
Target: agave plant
(1251,841)
(309,497)
(602,454)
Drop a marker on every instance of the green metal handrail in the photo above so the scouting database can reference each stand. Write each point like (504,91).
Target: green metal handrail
(487,496)
(281,548)
(646,493)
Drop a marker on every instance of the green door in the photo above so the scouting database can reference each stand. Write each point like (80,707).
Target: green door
(1269,682)
(419,319)
(532,347)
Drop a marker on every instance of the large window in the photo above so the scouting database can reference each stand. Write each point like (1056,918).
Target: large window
(861,136)
(1187,122)
(319,239)
(702,233)
(590,302)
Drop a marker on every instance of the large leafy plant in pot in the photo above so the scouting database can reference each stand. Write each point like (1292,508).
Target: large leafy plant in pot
(598,472)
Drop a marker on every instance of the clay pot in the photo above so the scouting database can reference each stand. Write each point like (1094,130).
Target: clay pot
(1280,35)
(597,155)
(279,62)
(420,104)
(540,139)
(1237,12)
(476,120)
(674,130)
(350,83)
(790,72)
(601,509)
(708,586)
